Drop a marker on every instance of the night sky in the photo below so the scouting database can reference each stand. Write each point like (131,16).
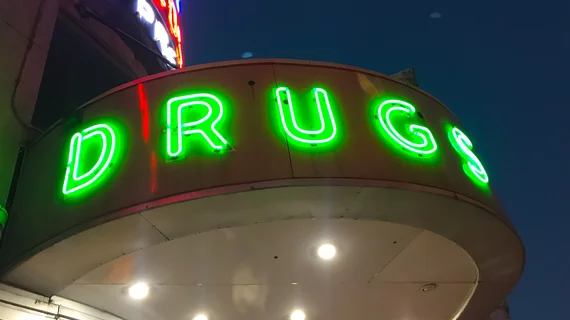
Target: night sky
(501,66)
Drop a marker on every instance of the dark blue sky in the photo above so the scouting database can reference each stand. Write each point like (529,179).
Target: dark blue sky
(502,66)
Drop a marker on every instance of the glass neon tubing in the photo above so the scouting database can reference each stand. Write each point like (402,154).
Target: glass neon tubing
(466,145)
(415,129)
(321,117)
(78,150)
(75,149)
(180,125)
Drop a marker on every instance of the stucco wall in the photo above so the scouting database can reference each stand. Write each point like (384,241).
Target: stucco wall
(25,33)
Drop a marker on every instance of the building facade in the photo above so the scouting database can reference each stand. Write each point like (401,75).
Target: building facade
(136,189)
(58,54)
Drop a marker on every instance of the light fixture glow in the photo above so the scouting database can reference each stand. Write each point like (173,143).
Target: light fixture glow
(297,315)
(138,291)
(144,9)
(426,144)
(161,36)
(326,251)
(200,317)
(463,146)
(326,132)
(206,126)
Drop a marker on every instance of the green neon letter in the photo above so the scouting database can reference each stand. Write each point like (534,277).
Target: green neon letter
(76,176)
(327,129)
(206,126)
(472,164)
(420,139)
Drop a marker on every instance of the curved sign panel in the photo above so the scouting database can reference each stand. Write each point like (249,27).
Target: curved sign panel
(236,124)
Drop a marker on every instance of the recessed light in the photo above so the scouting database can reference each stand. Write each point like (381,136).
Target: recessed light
(138,290)
(200,317)
(326,251)
(297,315)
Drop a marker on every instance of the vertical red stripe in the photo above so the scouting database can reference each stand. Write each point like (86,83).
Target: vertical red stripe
(153,173)
(143,106)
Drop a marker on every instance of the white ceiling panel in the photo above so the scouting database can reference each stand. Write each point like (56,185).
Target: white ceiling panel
(265,270)
(393,301)
(430,258)
(269,253)
(52,269)
(240,208)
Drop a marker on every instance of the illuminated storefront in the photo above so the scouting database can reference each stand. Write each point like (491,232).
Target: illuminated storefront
(266,189)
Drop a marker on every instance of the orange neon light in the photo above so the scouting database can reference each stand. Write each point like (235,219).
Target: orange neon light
(179,54)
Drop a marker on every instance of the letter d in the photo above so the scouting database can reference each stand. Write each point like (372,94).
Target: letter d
(77,176)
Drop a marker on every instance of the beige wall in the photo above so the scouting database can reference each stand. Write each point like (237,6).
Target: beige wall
(26,29)
(25,33)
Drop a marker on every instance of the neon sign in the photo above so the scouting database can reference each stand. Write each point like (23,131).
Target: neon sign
(77,176)
(392,111)
(169,40)
(194,119)
(171,12)
(472,166)
(205,126)
(326,121)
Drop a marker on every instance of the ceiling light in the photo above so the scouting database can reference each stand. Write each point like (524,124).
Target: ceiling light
(200,317)
(138,291)
(298,315)
(326,251)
